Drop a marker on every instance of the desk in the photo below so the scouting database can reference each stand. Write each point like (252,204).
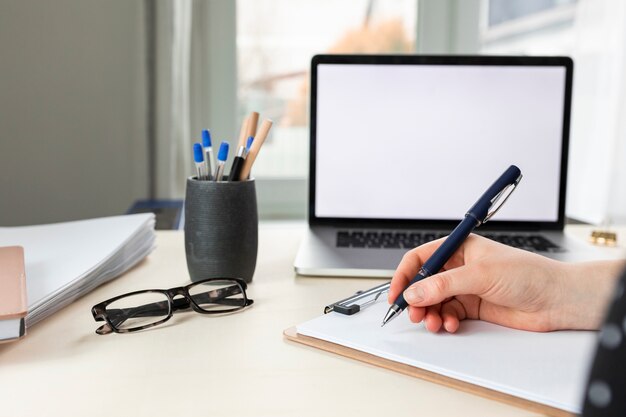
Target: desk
(237,365)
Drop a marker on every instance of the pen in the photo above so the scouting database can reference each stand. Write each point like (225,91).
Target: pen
(254,149)
(208,152)
(235,169)
(358,301)
(478,214)
(222,155)
(250,140)
(199,160)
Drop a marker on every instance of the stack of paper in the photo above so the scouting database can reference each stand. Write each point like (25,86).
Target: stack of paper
(66,260)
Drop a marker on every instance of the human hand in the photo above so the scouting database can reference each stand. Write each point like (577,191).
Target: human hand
(490,281)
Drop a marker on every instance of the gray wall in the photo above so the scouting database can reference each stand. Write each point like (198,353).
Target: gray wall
(72,109)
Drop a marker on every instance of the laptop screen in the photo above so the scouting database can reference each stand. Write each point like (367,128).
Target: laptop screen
(424,140)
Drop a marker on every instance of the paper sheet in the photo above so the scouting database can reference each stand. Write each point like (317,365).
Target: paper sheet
(65,260)
(547,368)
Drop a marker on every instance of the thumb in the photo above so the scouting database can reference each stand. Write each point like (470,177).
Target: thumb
(438,287)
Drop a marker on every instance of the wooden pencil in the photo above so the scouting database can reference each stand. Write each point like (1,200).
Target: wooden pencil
(254,149)
(253,121)
(243,132)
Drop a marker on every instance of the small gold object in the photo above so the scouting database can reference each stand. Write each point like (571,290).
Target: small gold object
(603,238)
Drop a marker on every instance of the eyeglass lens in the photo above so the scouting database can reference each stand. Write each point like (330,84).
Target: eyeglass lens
(218,296)
(138,310)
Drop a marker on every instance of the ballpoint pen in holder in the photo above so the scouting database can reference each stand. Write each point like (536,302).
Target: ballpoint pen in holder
(222,155)
(209,159)
(198,158)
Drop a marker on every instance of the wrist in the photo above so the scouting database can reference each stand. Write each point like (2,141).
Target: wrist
(585,291)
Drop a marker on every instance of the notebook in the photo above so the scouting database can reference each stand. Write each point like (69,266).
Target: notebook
(549,369)
(402,146)
(12,293)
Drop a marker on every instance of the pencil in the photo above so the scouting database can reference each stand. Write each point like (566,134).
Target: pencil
(254,149)
(253,121)
(243,132)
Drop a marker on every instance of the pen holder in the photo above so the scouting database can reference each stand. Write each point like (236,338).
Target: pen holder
(221,229)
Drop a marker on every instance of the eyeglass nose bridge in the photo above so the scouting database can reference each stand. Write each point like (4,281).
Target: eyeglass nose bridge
(181,303)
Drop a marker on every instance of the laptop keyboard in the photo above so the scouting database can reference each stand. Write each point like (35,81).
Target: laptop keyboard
(409,240)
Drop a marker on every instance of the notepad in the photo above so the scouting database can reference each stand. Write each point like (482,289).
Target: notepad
(545,368)
(66,260)
(13,304)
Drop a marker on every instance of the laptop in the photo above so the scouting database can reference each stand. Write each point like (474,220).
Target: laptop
(402,146)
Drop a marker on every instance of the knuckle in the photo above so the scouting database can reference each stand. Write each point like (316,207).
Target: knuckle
(440,284)
(409,255)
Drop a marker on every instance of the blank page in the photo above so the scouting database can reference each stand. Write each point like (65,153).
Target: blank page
(547,368)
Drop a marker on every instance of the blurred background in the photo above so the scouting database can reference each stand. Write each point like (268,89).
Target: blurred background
(100,101)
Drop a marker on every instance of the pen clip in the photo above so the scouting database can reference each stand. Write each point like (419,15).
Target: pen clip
(506,193)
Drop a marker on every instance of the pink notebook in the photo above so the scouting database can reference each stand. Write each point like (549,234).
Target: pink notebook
(13,304)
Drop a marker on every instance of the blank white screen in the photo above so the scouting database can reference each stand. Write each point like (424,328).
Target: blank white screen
(425,141)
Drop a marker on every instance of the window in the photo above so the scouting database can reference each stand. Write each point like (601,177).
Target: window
(275,42)
(520,26)
(506,11)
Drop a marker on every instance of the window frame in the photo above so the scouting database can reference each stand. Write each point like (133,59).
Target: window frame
(562,15)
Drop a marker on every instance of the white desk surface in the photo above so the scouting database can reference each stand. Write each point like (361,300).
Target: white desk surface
(194,365)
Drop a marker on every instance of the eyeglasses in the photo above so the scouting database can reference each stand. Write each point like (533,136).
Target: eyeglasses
(144,309)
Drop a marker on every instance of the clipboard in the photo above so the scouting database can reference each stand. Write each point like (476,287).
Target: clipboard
(292,335)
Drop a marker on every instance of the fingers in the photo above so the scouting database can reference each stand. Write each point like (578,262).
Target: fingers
(446,316)
(464,280)
(411,262)
(452,313)
(416,314)
(432,320)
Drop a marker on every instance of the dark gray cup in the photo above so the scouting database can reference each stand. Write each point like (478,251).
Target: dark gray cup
(221,229)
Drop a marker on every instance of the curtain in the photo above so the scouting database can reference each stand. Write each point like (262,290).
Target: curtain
(195,84)
(597,171)
(180,144)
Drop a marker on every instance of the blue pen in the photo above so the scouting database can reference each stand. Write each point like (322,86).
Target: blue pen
(208,152)
(199,160)
(250,140)
(222,155)
(478,214)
